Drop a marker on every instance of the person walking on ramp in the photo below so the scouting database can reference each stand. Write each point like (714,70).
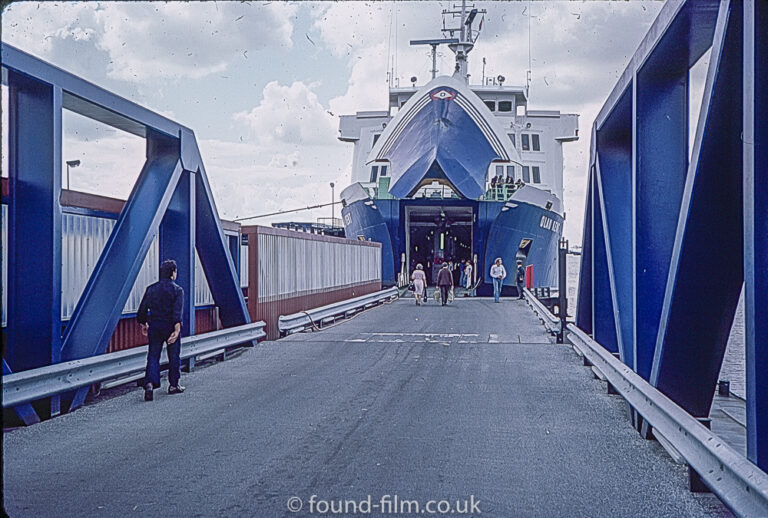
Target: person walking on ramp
(419,284)
(160,318)
(498,273)
(444,282)
(520,278)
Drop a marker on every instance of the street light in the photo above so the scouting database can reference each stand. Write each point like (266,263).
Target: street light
(71,163)
(332,200)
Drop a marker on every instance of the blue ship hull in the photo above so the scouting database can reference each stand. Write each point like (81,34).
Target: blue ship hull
(496,232)
(435,203)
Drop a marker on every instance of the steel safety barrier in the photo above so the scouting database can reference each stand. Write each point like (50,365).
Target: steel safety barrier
(296,322)
(550,321)
(741,485)
(30,385)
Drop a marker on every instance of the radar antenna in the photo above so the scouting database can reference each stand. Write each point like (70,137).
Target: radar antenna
(461,45)
(434,44)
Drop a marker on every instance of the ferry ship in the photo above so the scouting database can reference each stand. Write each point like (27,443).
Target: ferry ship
(453,170)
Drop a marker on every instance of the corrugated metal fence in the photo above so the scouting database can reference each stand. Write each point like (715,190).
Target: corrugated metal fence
(282,271)
(298,265)
(83,239)
(294,271)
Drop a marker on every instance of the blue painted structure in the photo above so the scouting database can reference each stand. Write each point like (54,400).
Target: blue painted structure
(171,197)
(497,231)
(668,241)
(444,136)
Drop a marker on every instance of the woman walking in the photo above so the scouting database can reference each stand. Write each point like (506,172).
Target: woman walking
(419,283)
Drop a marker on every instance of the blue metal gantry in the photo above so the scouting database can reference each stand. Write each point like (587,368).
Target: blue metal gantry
(668,241)
(171,198)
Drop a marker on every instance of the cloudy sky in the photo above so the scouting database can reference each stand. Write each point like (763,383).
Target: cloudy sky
(262,83)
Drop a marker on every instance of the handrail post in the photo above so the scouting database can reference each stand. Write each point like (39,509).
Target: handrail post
(562,289)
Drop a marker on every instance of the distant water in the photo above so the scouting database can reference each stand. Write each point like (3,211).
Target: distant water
(733,368)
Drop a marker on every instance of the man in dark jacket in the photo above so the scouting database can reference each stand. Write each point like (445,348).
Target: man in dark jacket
(160,318)
(444,282)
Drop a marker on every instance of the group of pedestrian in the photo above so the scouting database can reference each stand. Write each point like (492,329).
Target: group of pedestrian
(445,280)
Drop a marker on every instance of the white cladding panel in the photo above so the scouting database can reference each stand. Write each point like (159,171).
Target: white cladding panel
(203,295)
(243,265)
(82,240)
(293,265)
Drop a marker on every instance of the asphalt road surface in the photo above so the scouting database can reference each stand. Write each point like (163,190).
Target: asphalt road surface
(468,409)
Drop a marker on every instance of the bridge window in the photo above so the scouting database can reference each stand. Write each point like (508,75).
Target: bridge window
(374,173)
(383,171)
(525,141)
(536,175)
(511,171)
(512,138)
(491,105)
(499,170)
(535,143)
(526,174)
(376,137)
(505,106)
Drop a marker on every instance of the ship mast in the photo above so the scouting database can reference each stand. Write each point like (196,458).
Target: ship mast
(461,45)
(466,41)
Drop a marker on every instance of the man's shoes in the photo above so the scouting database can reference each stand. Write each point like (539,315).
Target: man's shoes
(148,394)
(175,389)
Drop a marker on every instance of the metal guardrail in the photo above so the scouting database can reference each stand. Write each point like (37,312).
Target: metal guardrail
(33,384)
(296,322)
(741,485)
(551,322)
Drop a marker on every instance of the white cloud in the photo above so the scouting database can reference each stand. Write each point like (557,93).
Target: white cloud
(345,27)
(290,114)
(151,40)
(274,178)
(109,166)
(291,152)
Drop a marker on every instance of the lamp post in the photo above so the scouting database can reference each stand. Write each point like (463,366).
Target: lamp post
(71,163)
(332,201)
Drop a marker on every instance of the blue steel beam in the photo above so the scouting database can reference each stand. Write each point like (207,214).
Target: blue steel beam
(702,288)
(584,295)
(614,181)
(694,19)
(177,242)
(603,321)
(213,248)
(87,99)
(34,230)
(100,305)
(755,144)
(159,202)
(661,163)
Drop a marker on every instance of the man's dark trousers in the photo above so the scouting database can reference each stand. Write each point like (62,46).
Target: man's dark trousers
(158,333)
(444,294)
